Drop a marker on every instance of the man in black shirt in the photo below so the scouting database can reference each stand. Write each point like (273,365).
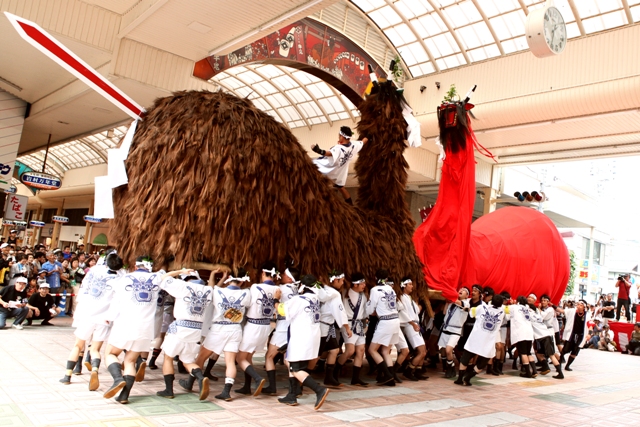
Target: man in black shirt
(608,309)
(13,303)
(42,303)
(13,237)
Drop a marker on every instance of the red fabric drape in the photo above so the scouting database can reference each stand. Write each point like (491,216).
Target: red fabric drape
(442,241)
(518,250)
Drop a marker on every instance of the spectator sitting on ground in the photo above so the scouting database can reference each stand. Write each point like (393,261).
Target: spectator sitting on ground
(594,334)
(606,342)
(12,305)
(42,306)
(634,344)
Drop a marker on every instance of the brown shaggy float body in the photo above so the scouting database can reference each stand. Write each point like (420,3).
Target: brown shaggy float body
(213,177)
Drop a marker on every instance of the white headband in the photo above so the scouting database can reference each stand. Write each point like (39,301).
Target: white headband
(237,279)
(535,298)
(405,283)
(357,282)
(273,272)
(339,276)
(290,276)
(345,135)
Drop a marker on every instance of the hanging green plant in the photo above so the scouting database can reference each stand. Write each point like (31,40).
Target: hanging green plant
(396,70)
(572,273)
(451,95)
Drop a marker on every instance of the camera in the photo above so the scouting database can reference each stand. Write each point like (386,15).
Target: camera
(620,277)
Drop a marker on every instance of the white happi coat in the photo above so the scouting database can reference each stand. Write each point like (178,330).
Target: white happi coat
(540,329)
(521,329)
(133,307)
(549,319)
(95,296)
(331,311)
(454,318)
(569,314)
(303,313)
(409,312)
(223,300)
(486,330)
(192,304)
(262,301)
(287,291)
(350,302)
(336,167)
(382,301)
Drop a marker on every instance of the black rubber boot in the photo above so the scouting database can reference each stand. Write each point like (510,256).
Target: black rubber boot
(329,380)
(168,384)
(246,388)
(207,371)
(559,375)
(67,378)
(259,381)
(77,370)
(408,373)
(141,366)
(467,378)
(385,375)
(271,390)
(490,369)
(321,392)
(181,368)
(433,362)
(297,389)
(514,365)
(87,360)
(461,374)
(527,372)
(337,371)
(567,368)
(123,397)
(534,371)
(355,377)
(187,383)
(94,381)
(420,373)
(154,356)
(395,369)
(225,395)
(450,372)
(203,383)
(115,369)
(544,369)
(290,398)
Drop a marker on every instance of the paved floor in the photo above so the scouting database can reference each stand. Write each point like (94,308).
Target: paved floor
(603,390)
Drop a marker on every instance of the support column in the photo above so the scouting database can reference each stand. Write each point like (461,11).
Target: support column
(39,214)
(87,230)
(57,227)
(490,196)
(591,248)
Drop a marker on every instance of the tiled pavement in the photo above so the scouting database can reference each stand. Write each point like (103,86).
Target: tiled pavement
(603,390)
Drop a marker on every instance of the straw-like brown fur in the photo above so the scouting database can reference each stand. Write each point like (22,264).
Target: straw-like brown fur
(213,177)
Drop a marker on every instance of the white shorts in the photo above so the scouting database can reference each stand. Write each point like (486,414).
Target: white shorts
(279,338)
(220,340)
(167,319)
(254,337)
(448,340)
(355,338)
(414,338)
(173,346)
(93,332)
(402,342)
(387,332)
(139,346)
(503,336)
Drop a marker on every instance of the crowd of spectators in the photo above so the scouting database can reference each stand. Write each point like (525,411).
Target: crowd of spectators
(34,280)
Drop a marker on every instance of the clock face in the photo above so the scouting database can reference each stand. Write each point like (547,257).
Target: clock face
(555,30)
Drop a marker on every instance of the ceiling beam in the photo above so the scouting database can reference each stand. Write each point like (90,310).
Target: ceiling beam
(627,11)
(344,104)
(444,19)
(491,30)
(311,95)
(576,15)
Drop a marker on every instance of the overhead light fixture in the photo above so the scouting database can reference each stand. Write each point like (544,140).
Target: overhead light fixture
(438,85)
(422,88)
(265,26)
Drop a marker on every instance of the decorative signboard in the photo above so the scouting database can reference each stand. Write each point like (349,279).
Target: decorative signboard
(60,219)
(40,180)
(92,219)
(307,45)
(8,223)
(37,224)
(11,190)
(15,207)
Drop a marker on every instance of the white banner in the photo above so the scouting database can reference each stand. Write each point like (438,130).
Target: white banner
(12,111)
(15,207)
